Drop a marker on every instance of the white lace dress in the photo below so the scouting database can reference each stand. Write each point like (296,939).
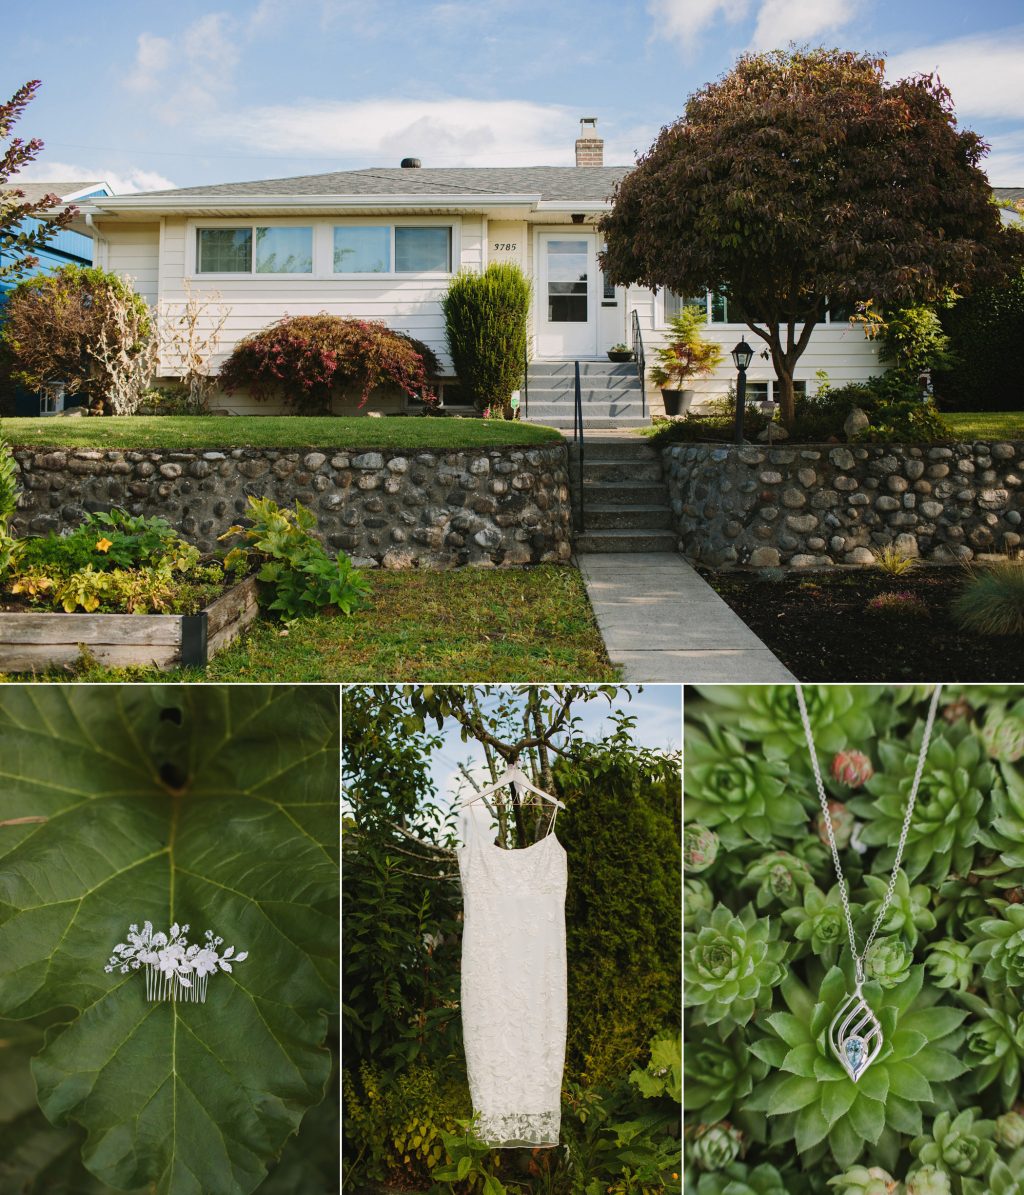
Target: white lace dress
(513,986)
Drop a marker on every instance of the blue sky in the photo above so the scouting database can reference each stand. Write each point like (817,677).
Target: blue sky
(151,95)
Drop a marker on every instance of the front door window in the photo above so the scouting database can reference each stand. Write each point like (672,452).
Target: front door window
(568,300)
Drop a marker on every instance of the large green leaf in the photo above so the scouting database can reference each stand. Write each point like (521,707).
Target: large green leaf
(215,807)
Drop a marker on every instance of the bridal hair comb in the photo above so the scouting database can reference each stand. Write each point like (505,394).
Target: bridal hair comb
(174,969)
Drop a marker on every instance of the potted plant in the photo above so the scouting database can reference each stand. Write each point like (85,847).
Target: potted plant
(686,354)
(620,353)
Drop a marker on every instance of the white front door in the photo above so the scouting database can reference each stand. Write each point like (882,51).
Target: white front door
(567,295)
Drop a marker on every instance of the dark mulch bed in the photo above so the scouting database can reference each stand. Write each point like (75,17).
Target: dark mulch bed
(820,627)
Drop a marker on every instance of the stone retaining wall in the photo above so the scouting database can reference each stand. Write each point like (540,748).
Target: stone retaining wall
(493,506)
(813,505)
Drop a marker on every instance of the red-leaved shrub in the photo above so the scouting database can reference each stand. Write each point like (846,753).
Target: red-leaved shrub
(306,360)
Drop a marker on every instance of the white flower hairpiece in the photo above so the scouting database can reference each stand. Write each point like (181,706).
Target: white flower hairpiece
(174,969)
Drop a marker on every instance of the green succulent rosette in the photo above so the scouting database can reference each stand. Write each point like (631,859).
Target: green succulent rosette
(961,900)
(960,1145)
(698,901)
(719,1075)
(841,716)
(780,879)
(864,1180)
(811,1099)
(957,779)
(819,924)
(731,964)
(700,848)
(1000,945)
(887,961)
(714,1146)
(929,1180)
(995,1043)
(909,913)
(1005,834)
(1005,1178)
(1009,1133)
(740,794)
(739,1179)
(1003,732)
(948,963)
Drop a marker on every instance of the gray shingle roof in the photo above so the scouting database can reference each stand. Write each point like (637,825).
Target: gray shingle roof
(583,183)
(36,191)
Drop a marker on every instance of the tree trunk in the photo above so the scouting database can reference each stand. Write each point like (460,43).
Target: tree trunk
(787,397)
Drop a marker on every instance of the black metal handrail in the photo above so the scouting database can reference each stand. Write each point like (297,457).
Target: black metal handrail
(577,440)
(641,367)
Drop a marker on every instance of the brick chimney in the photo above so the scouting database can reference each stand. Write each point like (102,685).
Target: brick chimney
(589,146)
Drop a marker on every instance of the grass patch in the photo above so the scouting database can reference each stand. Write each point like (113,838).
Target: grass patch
(986,425)
(464,625)
(272,431)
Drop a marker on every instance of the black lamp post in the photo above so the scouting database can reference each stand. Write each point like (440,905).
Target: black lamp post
(742,355)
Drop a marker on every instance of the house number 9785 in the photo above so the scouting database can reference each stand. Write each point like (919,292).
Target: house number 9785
(505,246)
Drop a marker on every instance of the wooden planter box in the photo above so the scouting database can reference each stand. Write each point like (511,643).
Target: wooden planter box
(34,642)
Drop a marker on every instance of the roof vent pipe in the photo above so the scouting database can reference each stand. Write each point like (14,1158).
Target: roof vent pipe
(411,163)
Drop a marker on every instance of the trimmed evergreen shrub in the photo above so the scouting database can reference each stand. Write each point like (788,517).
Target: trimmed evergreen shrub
(986,329)
(485,319)
(307,360)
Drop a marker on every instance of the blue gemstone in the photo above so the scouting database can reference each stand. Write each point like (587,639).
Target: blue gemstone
(854,1047)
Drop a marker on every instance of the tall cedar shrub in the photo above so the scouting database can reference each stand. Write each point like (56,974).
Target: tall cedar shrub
(621,834)
(485,318)
(306,361)
(984,329)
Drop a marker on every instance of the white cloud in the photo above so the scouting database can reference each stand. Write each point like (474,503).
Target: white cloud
(983,72)
(447,132)
(1005,163)
(683,21)
(122,182)
(152,57)
(781,21)
(192,72)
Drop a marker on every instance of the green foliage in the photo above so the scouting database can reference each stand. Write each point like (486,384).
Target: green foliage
(298,575)
(894,563)
(166,802)
(732,963)
(685,353)
(894,405)
(981,326)
(945,977)
(9,494)
(485,318)
(913,341)
(991,600)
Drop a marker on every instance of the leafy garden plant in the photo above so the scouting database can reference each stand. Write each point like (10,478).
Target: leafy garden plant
(768,1107)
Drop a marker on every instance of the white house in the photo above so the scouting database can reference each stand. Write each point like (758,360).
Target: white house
(382,243)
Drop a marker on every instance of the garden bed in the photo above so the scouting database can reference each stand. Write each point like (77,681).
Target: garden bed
(33,641)
(820,626)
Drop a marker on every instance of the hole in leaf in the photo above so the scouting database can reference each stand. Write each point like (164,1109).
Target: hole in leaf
(172,713)
(173,776)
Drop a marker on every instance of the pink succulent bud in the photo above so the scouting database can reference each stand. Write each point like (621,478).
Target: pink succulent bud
(852,768)
(842,824)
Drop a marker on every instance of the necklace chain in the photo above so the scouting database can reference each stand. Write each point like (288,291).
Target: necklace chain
(858,958)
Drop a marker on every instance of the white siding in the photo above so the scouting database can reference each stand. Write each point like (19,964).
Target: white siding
(133,251)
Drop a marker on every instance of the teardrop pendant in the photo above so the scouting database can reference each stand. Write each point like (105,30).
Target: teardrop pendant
(855,1035)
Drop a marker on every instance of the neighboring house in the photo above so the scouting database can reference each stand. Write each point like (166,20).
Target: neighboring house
(384,243)
(1012,195)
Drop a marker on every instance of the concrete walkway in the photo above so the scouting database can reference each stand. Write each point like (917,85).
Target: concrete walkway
(661,621)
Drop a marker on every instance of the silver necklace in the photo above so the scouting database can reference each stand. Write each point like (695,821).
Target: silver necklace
(855,1033)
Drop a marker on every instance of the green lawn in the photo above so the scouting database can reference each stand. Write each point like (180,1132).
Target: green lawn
(465,625)
(986,425)
(271,431)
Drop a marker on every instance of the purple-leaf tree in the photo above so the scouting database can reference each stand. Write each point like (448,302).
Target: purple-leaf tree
(26,225)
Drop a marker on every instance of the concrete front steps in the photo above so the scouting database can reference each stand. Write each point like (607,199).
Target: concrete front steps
(625,499)
(610,394)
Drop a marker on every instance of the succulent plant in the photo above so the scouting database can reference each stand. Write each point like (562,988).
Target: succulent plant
(731,964)
(864,1180)
(1005,833)
(1009,1132)
(719,1075)
(1003,732)
(852,769)
(714,1146)
(887,961)
(995,1042)
(819,922)
(909,912)
(1000,945)
(738,1179)
(697,901)
(942,835)
(961,900)
(960,1144)
(928,1180)
(842,821)
(780,878)
(948,963)
(738,793)
(813,1100)
(700,847)
(1003,1179)
(769,715)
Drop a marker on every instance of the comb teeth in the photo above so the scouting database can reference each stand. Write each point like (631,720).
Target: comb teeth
(174,969)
